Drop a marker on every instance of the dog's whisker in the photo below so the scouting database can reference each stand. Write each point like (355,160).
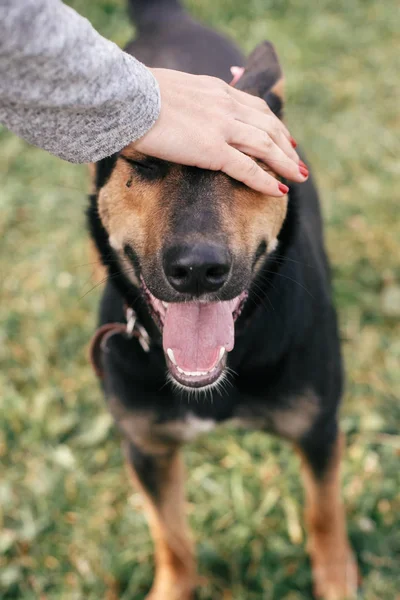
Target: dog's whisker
(261,299)
(293,260)
(278,274)
(94,287)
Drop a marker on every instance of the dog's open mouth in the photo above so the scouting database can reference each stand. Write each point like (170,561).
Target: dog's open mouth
(196,337)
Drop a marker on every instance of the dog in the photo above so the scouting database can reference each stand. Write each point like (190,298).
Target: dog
(218,292)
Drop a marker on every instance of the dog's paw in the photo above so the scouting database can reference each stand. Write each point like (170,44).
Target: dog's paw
(335,577)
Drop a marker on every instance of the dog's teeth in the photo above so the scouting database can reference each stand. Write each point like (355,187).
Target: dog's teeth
(190,373)
(171,356)
(165,304)
(221,353)
(195,373)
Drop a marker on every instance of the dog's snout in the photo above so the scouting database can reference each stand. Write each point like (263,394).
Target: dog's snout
(197,269)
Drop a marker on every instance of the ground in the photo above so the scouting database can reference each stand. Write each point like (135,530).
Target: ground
(71,526)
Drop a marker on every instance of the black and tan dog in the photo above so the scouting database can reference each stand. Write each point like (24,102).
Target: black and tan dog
(211,280)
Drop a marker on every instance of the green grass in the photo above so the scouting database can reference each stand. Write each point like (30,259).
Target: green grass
(72,528)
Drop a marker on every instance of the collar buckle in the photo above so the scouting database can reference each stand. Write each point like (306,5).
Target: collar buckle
(133,328)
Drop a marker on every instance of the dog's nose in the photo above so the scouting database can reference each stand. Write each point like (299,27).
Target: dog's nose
(197,269)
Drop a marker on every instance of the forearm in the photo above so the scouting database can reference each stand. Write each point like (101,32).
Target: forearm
(66,89)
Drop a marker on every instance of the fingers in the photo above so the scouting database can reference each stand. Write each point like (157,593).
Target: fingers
(260,144)
(258,104)
(256,113)
(245,169)
(285,145)
(247,99)
(271,125)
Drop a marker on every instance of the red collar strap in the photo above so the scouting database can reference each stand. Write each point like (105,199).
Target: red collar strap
(130,329)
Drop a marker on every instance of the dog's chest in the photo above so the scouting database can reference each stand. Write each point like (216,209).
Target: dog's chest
(290,421)
(189,428)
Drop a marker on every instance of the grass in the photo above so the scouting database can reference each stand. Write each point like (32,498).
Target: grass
(71,527)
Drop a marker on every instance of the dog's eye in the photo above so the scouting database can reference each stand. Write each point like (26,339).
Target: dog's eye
(142,166)
(149,169)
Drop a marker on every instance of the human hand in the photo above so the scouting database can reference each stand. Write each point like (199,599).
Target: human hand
(206,123)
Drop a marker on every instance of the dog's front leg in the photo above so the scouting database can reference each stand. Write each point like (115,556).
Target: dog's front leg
(159,476)
(335,571)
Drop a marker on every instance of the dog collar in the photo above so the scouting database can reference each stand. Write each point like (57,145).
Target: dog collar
(132,328)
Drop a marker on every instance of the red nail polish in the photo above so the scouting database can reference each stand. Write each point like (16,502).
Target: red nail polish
(283,188)
(303,171)
(301,164)
(293,142)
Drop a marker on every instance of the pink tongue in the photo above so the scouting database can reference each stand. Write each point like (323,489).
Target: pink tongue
(195,333)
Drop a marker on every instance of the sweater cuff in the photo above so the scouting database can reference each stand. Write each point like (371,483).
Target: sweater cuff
(132,118)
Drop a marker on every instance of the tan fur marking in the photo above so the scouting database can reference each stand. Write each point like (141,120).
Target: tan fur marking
(334,567)
(175,576)
(131,214)
(253,217)
(293,422)
(279,89)
(152,437)
(133,154)
(138,428)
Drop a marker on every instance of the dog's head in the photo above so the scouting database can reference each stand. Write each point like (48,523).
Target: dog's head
(192,240)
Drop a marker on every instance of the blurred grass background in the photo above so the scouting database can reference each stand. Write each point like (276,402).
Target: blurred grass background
(71,527)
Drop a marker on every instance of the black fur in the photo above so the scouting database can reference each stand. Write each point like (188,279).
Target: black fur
(153,14)
(104,168)
(146,469)
(168,37)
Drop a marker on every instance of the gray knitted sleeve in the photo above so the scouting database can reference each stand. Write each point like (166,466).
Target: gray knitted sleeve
(65,88)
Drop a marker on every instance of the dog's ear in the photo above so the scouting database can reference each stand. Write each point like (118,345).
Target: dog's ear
(263,77)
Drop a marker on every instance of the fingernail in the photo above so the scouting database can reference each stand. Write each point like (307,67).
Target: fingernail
(293,142)
(303,171)
(283,188)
